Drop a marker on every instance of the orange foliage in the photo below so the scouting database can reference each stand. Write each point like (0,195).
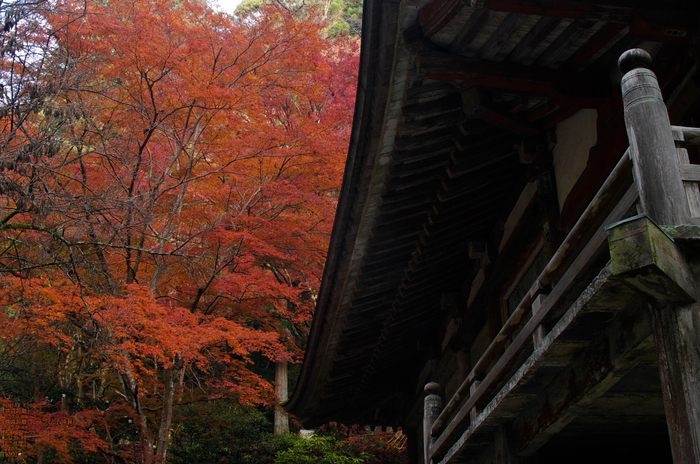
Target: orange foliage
(24,433)
(168,180)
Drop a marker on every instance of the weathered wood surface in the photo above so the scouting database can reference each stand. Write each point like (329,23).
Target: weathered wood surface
(661,190)
(663,196)
(568,89)
(595,369)
(432,406)
(467,401)
(436,14)
(677,335)
(647,260)
(505,446)
(686,136)
(690,173)
(354,309)
(607,359)
(551,274)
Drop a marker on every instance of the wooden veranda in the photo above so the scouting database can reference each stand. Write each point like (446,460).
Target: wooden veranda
(517,233)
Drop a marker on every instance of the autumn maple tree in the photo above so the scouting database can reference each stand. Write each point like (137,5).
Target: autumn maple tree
(168,177)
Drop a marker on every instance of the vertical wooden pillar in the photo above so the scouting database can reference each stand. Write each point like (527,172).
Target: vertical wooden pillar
(505,448)
(662,194)
(432,407)
(656,170)
(677,336)
(539,333)
(281,392)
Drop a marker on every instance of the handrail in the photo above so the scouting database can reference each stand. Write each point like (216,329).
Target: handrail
(566,250)
(691,135)
(593,246)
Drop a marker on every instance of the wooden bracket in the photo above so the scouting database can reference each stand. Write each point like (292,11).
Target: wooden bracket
(474,411)
(648,260)
(539,333)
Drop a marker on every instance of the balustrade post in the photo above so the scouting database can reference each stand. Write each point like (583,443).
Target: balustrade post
(676,322)
(432,407)
(539,333)
(661,190)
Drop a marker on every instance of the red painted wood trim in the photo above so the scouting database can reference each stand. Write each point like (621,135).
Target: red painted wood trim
(601,38)
(565,89)
(437,14)
(557,9)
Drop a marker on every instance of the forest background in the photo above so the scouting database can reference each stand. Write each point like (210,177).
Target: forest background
(168,180)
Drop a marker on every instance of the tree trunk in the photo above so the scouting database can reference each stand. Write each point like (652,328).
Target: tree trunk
(172,374)
(281,418)
(132,393)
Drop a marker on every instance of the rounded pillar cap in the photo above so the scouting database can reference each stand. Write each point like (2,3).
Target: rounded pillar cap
(633,59)
(432,388)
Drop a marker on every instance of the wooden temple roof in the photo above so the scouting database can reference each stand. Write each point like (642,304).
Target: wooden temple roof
(448,92)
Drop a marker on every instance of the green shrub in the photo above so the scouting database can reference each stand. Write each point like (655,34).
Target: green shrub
(223,432)
(317,450)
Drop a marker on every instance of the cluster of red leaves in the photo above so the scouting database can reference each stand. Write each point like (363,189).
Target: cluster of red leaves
(135,333)
(26,432)
(167,189)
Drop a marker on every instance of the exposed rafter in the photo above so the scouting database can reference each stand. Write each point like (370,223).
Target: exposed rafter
(563,88)
(640,16)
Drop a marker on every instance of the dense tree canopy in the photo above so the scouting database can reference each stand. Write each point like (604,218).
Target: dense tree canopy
(340,17)
(168,177)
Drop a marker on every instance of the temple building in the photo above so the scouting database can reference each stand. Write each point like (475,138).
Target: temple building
(514,269)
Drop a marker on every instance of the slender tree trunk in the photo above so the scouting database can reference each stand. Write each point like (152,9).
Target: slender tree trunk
(172,374)
(131,390)
(281,418)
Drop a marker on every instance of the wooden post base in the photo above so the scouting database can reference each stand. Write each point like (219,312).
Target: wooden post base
(649,261)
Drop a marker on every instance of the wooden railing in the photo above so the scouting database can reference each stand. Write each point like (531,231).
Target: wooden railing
(523,330)
(690,173)
(586,240)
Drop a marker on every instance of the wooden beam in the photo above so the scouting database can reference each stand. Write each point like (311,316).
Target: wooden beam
(563,88)
(422,141)
(600,39)
(605,361)
(557,9)
(604,294)
(659,32)
(505,353)
(690,172)
(505,446)
(470,30)
(505,31)
(424,152)
(428,92)
(676,325)
(539,32)
(690,135)
(478,161)
(437,14)
(424,109)
(476,104)
(647,260)
(648,26)
(677,338)
(512,125)
(431,123)
(559,47)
